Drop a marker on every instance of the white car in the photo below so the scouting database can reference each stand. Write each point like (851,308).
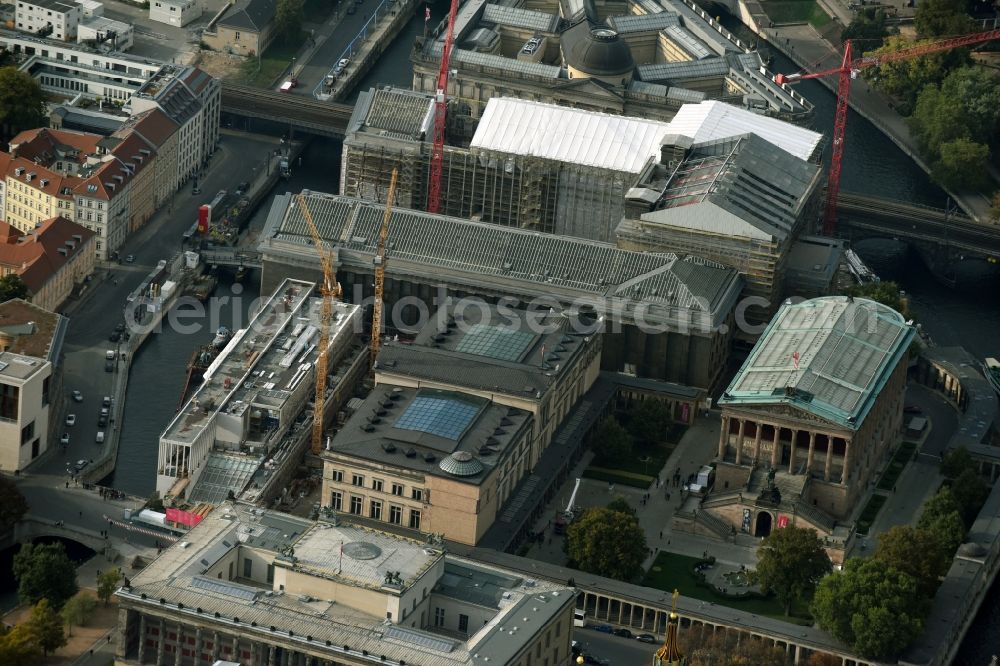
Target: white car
(64,440)
(100,437)
(71,419)
(77,396)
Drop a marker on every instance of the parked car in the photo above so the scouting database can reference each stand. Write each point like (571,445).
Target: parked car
(603,628)
(130,259)
(110,354)
(912,409)
(64,440)
(100,437)
(109,366)
(646,638)
(120,327)
(591,659)
(624,633)
(77,396)
(115,336)
(80,464)
(341,66)
(102,421)
(71,419)
(106,402)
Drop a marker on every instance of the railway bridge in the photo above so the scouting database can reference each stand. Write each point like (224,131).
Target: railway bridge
(301,113)
(942,237)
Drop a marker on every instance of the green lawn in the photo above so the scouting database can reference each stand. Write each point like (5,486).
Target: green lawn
(619,477)
(676,572)
(795,11)
(896,466)
(638,470)
(273,63)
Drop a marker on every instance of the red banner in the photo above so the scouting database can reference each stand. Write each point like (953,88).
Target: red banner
(183,517)
(782,521)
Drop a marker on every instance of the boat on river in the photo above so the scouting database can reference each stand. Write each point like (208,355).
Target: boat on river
(991,368)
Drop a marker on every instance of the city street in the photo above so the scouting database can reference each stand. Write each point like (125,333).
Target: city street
(617,651)
(94,316)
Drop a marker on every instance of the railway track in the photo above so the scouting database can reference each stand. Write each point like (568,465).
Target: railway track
(282,106)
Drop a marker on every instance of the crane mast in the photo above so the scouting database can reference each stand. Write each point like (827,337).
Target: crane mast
(383,233)
(848,69)
(440,109)
(329,290)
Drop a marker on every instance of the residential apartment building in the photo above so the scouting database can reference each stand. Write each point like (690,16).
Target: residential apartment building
(57,19)
(30,345)
(100,30)
(193,100)
(461,416)
(51,260)
(260,587)
(159,133)
(35,194)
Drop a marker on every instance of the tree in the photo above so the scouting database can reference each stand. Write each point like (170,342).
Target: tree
(886,293)
(17,645)
(77,610)
(722,648)
(107,583)
(904,79)
(956,461)
(46,627)
(995,206)
(649,421)
(937,18)
(22,104)
(822,659)
(621,505)
(607,543)
(13,506)
(868,26)
(942,517)
(791,562)
(288,19)
(871,606)
(915,552)
(962,165)
(44,570)
(12,286)
(611,441)
(970,492)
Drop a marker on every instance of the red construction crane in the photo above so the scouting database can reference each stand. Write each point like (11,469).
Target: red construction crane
(440,108)
(847,71)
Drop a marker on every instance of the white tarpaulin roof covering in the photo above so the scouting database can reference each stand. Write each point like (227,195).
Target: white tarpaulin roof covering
(621,143)
(522,127)
(712,120)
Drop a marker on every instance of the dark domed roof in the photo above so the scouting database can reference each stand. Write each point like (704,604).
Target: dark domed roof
(596,50)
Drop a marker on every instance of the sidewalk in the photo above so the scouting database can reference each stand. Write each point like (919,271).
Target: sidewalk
(812,52)
(697,447)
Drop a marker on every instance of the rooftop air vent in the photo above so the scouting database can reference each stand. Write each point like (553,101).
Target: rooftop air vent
(492,441)
(512,411)
(506,422)
(498,432)
(374,419)
(429,457)
(388,447)
(368,427)
(380,412)
(410,453)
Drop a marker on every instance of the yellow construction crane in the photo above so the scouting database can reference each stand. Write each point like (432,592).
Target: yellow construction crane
(329,290)
(380,272)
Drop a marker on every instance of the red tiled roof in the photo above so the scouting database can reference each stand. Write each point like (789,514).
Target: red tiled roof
(40,144)
(54,181)
(153,125)
(36,256)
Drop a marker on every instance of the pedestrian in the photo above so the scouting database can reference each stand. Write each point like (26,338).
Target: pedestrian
(67,484)
(81,514)
(661,534)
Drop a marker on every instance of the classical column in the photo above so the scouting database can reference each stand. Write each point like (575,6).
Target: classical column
(791,454)
(236,649)
(739,442)
(215,646)
(829,457)
(812,447)
(723,438)
(179,646)
(197,646)
(756,442)
(142,637)
(776,448)
(271,650)
(847,462)
(162,643)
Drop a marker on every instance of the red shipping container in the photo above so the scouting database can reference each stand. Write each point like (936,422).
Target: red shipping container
(204,215)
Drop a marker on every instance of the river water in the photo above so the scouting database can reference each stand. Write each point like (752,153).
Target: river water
(873,166)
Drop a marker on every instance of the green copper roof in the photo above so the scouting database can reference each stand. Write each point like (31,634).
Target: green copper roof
(846,350)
